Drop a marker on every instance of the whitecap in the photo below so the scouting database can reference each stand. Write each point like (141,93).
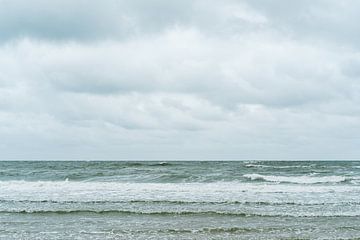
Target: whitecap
(296,179)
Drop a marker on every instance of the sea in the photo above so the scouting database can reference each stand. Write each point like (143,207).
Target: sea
(179,200)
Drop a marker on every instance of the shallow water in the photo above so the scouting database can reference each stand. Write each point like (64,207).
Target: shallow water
(180,200)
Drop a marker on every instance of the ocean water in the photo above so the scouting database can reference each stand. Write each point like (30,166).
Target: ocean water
(180,200)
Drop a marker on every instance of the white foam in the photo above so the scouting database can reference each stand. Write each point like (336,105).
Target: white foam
(276,166)
(202,192)
(296,179)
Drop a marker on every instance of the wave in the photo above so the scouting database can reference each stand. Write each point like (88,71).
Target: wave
(182,213)
(169,202)
(162,164)
(250,165)
(146,164)
(296,179)
(185,192)
(128,212)
(216,230)
(212,230)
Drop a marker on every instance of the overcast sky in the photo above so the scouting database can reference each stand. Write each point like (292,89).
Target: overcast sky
(186,79)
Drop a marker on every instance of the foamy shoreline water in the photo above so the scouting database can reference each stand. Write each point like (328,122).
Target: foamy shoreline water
(179,200)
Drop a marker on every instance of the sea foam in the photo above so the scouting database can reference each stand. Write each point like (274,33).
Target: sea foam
(195,192)
(296,179)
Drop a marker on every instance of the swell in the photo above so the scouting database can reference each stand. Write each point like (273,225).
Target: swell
(212,230)
(146,164)
(275,167)
(297,179)
(126,212)
(172,213)
(170,202)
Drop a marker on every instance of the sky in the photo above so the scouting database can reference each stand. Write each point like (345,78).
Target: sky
(179,80)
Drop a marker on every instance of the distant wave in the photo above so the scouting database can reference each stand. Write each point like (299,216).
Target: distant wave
(217,230)
(296,179)
(212,230)
(127,212)
(221,230)
(162,164)
(198,231)
(167,213)
(250,165)
(169,202)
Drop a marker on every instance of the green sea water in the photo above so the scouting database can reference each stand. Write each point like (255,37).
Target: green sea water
(180,200)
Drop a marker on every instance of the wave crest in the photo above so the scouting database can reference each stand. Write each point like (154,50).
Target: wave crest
(184,213)
(296,179)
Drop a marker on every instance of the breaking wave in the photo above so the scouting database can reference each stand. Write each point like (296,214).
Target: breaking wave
(297,179)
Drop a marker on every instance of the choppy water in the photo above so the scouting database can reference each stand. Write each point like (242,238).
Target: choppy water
(180,200)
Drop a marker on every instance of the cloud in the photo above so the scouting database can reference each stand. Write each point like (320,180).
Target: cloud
(192,79)
(119,19)
(334,22)
(275,72)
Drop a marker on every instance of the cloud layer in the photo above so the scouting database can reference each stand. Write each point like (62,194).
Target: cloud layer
(186,80)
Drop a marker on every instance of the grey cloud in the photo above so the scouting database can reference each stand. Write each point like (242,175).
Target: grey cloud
(185,79)
(351,68)
(225,73)
(82,20)
(238,71)
(314,21)
(63,20)
(59,19)
(333,22)
(85,20)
